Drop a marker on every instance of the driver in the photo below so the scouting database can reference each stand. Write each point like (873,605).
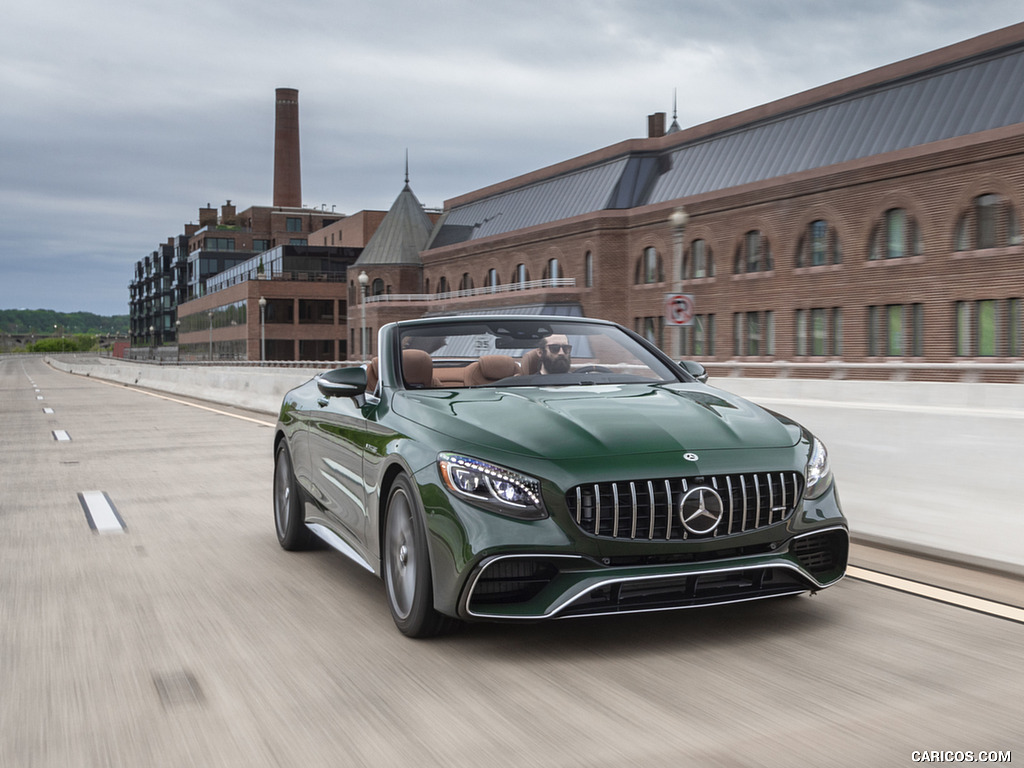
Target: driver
(554,354)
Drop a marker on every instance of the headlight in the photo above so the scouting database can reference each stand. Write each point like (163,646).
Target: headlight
(490,486)
(818,473)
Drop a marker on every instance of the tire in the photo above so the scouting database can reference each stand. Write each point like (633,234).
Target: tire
(407,580)
(289,520)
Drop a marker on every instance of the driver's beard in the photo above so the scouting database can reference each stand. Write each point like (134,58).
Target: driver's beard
(555,364)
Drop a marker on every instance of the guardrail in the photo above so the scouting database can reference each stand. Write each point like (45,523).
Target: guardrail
(551,282)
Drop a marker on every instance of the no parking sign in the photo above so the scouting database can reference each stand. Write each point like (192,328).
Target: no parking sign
(679,308)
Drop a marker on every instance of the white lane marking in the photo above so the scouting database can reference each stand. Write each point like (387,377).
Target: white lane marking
(61,435)
(47,410)
(948,596)
(39,397)
(100,512)
(186,402)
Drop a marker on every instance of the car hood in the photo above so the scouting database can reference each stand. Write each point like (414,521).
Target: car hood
(598,420)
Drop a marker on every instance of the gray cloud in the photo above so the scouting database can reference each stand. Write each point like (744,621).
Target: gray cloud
(121,118)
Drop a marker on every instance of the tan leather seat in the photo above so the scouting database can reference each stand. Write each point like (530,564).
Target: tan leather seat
(372,375)
(530,362)
(418,369)
(490,368)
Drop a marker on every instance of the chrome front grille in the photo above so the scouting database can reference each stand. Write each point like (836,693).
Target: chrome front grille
(649,510)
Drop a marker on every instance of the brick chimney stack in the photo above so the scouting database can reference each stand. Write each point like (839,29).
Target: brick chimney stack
(287,177)
(656,125)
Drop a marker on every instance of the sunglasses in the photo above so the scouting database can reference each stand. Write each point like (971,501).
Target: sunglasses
(556,348)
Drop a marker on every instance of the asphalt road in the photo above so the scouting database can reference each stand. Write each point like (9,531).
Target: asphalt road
(192,639)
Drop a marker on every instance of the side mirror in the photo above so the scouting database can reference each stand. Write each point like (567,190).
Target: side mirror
(342,382)
(695,369)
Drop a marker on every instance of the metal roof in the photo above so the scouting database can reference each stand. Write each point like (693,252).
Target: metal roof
(945,102)
(402,234)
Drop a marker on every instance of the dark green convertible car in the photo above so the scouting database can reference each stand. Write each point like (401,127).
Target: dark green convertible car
(517,468)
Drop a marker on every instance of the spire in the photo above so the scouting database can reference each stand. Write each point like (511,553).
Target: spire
(407,166)
(675,113)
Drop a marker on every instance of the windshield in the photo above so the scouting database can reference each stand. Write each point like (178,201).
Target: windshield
(525,352)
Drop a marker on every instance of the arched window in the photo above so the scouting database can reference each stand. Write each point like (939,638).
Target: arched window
(377,288)
(493,281)
(819,245)
(588,269)
(552,271)
(990,223)
(466,283)
(896,236)
(753,254)
(521,275)
(648,268)
(442,285)
(698,261)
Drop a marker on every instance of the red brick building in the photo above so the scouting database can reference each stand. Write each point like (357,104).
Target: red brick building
(872,219)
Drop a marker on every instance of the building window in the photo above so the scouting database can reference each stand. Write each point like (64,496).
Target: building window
(648,268)
(699,339)
(896,330)
(521,275)
(442,285)
(316,312)
(698,261)
(551,272)
(298,241)
(991,223)
(466,283)
(377,287)
(753,254)
(837,331)
(896,236)
(219,244)
(293,224)
(819,245)
(754,334)
(493,281)
(260,245)
(819,332)
(588,270)
(651,328)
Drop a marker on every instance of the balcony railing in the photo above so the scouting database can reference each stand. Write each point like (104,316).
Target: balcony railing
(551,282)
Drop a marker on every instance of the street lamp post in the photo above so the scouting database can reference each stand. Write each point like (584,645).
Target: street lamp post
(364,280)
(177,341)
(152,343)
(263,329)
(678,220)
(209,316)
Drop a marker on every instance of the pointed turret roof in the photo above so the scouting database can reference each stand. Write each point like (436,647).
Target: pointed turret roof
(402,234)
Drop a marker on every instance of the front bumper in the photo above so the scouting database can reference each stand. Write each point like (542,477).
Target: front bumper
(533,587)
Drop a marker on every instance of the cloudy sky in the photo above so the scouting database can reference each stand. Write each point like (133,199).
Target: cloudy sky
(119,120)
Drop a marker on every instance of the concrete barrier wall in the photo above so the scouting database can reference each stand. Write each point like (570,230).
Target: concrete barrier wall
(258,389)
(261,389)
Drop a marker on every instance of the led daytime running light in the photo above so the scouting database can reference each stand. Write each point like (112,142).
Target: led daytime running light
(488,482)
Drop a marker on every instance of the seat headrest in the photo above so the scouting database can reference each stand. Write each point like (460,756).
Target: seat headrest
(417,368)
(531,361)
(490,368)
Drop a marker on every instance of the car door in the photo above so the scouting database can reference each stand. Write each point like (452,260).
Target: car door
(337,439)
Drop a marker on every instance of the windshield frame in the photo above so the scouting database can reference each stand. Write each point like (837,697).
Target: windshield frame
(455,343)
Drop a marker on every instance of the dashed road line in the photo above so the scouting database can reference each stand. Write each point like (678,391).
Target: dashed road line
(61,436)
(100,512)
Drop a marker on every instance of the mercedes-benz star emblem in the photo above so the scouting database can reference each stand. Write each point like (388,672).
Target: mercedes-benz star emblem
(690,456)
(701,510)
